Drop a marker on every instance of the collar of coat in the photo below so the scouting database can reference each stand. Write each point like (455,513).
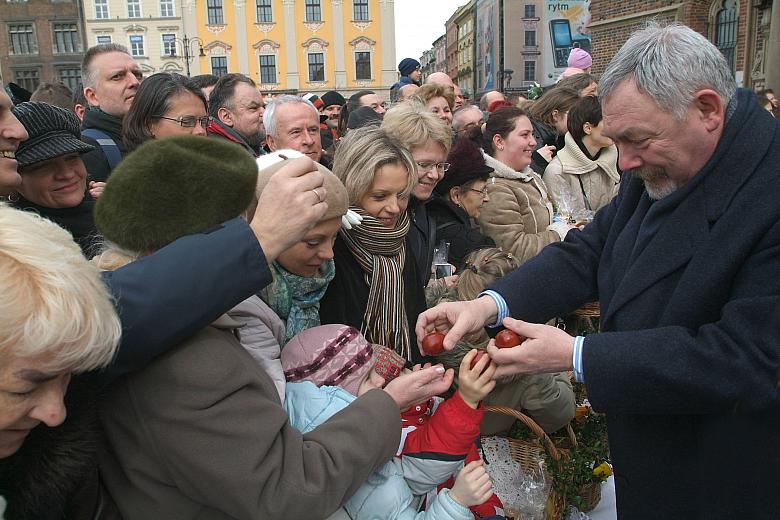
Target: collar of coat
(504,171)
(575,161)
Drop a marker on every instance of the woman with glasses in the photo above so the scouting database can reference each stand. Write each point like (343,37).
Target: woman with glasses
(166,104)
(429,141)
(460,197)
(376,288)
(519,216)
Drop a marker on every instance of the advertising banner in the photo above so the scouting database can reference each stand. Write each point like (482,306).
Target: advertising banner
(567,25)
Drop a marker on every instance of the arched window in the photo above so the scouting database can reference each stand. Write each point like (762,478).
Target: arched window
(726,31)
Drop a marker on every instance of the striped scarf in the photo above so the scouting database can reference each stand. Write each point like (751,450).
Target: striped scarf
(381,253)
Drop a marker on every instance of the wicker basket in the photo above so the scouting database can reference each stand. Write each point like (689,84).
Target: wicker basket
(589,310)
(529,453)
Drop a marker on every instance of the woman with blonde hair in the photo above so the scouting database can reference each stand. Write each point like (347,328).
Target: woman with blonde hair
(438,99)
(547,398)
(377,287)
(428,139)
(56,320)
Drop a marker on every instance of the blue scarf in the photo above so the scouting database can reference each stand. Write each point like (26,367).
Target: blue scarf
(296,299)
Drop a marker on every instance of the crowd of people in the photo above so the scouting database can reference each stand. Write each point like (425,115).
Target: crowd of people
(230,292)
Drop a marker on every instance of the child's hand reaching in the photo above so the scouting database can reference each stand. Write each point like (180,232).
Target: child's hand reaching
(472,485)
(475,382)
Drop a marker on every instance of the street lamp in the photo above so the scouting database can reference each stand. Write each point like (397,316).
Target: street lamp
(188,52)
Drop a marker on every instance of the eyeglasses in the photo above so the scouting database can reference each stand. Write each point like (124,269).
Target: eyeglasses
(482,192)
(188,121)
(426,166)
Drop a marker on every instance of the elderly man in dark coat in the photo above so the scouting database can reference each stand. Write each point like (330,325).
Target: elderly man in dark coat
(686,265)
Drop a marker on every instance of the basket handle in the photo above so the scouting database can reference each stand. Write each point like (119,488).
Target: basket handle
(531,424)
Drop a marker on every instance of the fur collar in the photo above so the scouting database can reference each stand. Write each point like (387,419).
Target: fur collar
(502,170)
(577,163)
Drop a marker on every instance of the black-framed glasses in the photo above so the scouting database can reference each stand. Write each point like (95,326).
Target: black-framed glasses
(427,166)
(482,192)
(188,121)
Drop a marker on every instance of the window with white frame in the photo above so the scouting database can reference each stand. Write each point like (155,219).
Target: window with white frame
(166,8)
(22,39)
(360,10)
(66,38)
(219,65)
(169,44)
(267,68)
(313,11)
(101,9)
(214,11)
(529,71)
(264,11)
(137,45)
(103,39)
(362,65)
(316,66)
(134,8)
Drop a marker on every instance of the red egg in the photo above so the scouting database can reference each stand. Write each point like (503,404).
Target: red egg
(433,343)
(507,339)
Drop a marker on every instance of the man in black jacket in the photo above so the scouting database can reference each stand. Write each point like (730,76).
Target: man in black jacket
(111,78)
(236,108)
(684,263)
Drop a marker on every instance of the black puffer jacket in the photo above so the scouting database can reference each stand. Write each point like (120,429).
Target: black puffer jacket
(544,136)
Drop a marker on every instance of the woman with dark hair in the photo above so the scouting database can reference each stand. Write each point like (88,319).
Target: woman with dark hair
(461,194)
(548,117)
(519,215)
(165,104)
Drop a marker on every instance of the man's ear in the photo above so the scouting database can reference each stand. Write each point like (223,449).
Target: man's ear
(269,140)
(89,95)
(710,108)
(224,115)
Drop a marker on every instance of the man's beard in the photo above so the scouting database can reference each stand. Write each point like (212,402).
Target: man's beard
(657,182)
(255,140)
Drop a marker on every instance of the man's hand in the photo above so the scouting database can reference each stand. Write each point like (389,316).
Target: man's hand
(419,385)
(291,204)
(456,319)
(546,349)
(474,384)
(472,485)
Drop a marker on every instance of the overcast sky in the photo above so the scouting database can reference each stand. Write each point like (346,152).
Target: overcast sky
(418,23)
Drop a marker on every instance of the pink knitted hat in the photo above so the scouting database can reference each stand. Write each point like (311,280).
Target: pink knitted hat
(331,355)
(580,59)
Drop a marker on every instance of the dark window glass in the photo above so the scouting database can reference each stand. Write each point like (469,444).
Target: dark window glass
(66,38)
(362,65)
(530,11)
(22,39)
(360,10)
(726,31)
(530,38)
(267,68)
(264,12)
(215,12)
(27,79)
(313,11)
(71,77)
(316,66)
(219,65)
(529,71)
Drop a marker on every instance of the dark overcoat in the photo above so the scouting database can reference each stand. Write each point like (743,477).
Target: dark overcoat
(685,367)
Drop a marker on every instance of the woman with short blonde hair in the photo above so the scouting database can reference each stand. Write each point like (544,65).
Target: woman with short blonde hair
(438,99)
(377,287)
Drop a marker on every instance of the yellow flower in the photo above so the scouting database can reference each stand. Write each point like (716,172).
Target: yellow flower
(602,471)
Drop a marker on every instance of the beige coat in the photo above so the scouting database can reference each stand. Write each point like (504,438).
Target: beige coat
(600,178)
(519,212)
(200,434)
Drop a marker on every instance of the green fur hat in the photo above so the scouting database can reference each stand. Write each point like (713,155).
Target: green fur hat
(168,188)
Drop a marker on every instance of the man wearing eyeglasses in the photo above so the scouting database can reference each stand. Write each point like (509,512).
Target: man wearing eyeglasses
(236,108)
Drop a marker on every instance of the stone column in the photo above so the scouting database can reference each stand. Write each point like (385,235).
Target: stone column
(291,47)
(772,50)
(388,62)
(241,40)
(339,68)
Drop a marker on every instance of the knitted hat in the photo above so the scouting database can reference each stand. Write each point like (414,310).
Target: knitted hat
(313,99)
(171,187)
(407,66)
(467,164)
(363,116)
(580,59)
(336,196)
(328,355)
(332,97)
(52,131)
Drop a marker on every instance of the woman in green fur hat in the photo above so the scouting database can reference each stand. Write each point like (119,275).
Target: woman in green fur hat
(547,398)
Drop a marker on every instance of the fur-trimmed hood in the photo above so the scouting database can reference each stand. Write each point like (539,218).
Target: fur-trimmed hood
(502,170)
